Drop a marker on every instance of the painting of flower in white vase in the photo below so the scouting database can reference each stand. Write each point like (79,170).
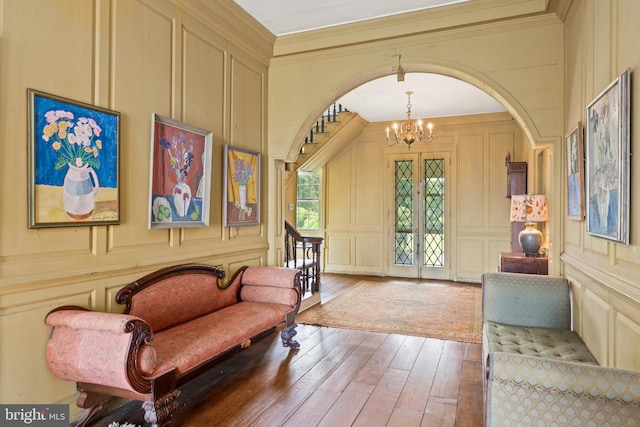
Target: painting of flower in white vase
(73,162)
(607,162)
(180,175)
(242,187)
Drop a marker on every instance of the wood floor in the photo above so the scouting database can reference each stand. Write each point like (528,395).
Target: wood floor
(339,377)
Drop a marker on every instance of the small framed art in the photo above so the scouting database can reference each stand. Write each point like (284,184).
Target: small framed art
(180,183)
(73,162)
(241,187)
(575,174)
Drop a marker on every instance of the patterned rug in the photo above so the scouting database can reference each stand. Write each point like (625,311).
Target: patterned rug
(434,310)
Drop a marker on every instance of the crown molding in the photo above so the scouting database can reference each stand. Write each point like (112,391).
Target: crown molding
(415,23)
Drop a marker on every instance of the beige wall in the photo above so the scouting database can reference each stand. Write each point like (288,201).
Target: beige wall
(601,42)
(183,60)
(358,194)
(205,63)
(519,62)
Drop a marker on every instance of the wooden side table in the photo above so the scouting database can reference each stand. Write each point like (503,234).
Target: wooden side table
(519,263)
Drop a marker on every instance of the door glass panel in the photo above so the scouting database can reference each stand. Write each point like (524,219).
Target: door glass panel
(433,213)
(404,212)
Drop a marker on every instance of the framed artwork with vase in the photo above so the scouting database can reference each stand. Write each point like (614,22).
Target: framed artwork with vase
(575,174)
(608,161)
(73,162)
(241,187)
(180,184)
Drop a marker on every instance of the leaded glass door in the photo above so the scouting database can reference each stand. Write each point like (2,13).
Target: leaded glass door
(418,219)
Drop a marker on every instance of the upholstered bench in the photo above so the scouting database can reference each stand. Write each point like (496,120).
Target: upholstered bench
(537,370)
(178,322)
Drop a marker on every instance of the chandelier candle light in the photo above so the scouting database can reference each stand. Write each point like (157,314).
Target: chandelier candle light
(530,209)
(409,132)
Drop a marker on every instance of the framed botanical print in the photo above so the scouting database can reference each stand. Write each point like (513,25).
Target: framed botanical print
(241,187)
(575,174)
(607,169)
(73,162)
(180,182)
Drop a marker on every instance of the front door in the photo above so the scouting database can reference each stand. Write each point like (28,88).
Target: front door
(419,216)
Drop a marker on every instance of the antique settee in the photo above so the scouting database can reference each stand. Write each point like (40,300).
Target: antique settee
(540,372)
(178,322)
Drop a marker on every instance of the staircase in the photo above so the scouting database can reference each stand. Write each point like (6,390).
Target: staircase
(333,131)
(323,139)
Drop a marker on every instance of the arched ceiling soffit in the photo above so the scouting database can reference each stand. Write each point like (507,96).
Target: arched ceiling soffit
(472,77)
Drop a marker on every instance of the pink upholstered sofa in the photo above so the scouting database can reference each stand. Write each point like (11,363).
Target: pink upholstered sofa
(178,322)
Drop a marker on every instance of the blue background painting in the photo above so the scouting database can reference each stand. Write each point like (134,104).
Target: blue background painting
(45,156)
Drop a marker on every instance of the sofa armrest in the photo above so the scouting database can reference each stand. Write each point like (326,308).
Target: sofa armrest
(278,277)
(537,391)
(99,348)
(526,300)
(276,285)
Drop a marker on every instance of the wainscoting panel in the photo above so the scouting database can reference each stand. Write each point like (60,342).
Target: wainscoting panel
(471,187)
(22,361)
(606,318)
(596,313)
(577,298)
(470,265)
(627,331)
(338,252)
(369,252)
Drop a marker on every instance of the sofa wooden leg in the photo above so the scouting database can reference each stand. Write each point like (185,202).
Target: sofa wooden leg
(159,413)
(92,403)
(287,334)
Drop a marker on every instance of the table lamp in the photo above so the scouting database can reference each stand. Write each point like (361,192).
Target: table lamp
(530,209)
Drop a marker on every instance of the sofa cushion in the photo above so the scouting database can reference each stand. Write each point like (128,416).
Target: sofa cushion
(269,294)
(530,300)
(279,277)
(179,299)
(191,344)
(534,391)
(562,344)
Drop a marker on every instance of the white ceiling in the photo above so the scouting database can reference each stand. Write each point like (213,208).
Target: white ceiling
(294,16)
(382,99)
(434,95)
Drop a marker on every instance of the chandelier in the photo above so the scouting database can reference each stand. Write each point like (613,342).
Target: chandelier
(409,132)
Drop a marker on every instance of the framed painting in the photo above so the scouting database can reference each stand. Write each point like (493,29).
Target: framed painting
(575,174)
(241,187)
(608,162)
(180,183)
(73,162)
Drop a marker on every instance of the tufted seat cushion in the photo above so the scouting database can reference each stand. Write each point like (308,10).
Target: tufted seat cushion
(560,344)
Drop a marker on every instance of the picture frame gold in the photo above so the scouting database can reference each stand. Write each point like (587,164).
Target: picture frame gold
(241,204)
(73,162)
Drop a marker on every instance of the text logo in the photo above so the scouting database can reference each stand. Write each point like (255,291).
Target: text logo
(34,415)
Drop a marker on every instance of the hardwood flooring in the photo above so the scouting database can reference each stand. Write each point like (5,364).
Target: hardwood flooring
(339,377)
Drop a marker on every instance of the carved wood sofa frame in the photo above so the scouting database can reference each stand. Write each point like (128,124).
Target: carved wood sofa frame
(111,354)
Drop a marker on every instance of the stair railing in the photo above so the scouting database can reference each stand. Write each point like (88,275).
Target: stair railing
(303,253)
(329,116)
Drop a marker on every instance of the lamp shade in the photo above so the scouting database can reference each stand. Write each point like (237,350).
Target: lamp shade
(529,208)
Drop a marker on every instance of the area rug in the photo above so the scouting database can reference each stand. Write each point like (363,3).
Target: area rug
(449,312)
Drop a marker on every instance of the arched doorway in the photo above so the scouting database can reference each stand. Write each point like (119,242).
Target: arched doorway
(518,115)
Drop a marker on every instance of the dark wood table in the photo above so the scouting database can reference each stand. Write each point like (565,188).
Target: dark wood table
(518,262)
